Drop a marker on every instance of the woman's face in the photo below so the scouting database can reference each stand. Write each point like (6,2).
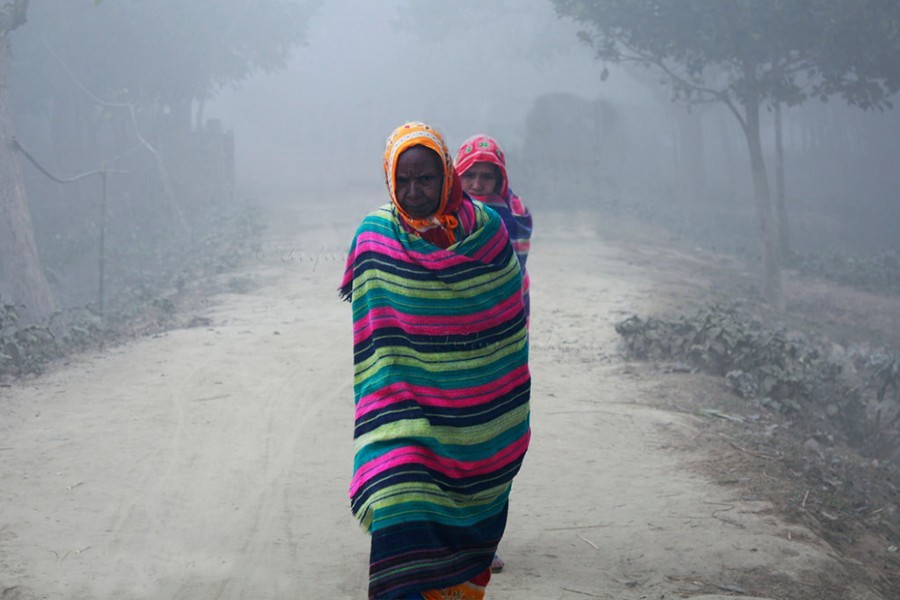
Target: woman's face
(481,179)
(419,181)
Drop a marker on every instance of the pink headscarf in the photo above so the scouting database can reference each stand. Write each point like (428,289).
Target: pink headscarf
(482,148)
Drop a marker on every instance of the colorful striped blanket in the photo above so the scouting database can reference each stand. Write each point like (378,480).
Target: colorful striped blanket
(442,388)
(518,221)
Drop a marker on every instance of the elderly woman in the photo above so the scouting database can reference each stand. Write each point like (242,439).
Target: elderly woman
(441,379)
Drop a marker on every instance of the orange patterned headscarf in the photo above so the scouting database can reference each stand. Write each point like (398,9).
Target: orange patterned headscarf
(419,134)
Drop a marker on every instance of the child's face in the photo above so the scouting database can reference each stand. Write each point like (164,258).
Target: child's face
(481,179)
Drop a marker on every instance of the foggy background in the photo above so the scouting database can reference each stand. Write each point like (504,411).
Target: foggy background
(517,72)
(242,141)
(369,67)
(122,86)
(466,69)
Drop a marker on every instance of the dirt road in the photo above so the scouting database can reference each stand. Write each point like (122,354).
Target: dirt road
(212,462)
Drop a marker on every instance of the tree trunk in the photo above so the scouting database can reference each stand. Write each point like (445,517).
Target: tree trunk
(690,145)
(771,265)
(784,239)
(729,179)
(22,270)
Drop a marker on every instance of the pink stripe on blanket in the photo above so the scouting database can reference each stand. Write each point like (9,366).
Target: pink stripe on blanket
(437,260)
(455,469)
(431,396)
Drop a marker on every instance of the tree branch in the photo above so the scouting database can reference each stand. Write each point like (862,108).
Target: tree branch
(16,145)
(160,164)
(712,95)
(648,59)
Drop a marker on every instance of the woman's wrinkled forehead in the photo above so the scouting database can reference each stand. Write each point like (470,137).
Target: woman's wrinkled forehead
(412,134)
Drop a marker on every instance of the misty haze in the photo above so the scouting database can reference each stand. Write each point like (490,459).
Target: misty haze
(714,328)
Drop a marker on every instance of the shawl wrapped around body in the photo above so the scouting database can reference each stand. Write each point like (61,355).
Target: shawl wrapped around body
(517,219)
(441,386)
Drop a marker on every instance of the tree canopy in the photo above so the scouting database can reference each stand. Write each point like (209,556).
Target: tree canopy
(12,15)
(747,55)
(737,50)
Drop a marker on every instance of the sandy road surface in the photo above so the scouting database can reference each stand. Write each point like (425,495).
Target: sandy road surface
(212,462)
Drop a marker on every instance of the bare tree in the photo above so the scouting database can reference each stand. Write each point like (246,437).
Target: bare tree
(748,56)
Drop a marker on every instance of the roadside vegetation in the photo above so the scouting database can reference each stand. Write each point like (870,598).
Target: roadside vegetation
(152,277)
(807,412)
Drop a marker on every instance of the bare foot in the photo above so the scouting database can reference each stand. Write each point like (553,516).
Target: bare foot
(498,564)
